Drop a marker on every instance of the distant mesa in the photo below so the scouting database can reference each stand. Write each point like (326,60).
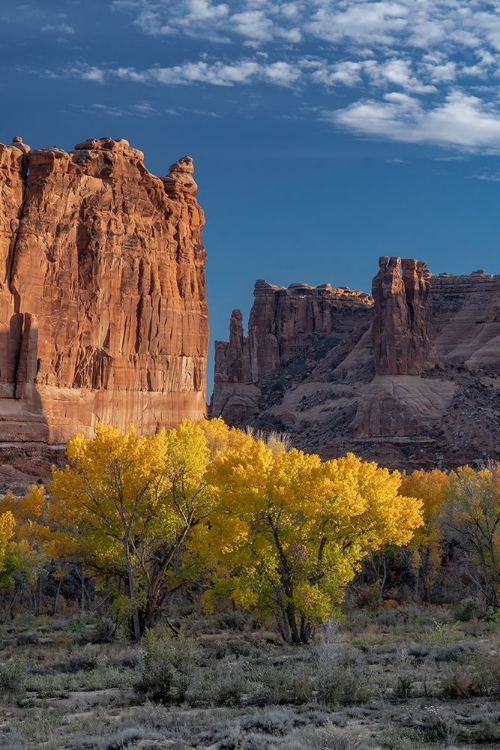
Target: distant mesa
(409,376)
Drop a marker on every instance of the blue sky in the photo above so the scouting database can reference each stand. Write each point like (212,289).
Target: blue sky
(324,132)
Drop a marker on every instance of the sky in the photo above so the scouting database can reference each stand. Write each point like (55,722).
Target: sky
(324,132)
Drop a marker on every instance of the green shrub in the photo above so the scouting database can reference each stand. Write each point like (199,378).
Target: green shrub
(469,609)
(324,738)
(167,665)
(12,741)
(487,731)
(105,631)
(233,619)
(404,687)
(442,633)
(279,684)
(13,677)
(230,684)
(342,686)
(82,659)
(464,682)
(276,721)
(219,648)
(436,726)
(338,679)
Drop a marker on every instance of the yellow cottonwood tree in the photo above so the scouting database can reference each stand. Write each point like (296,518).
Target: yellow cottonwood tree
(26,554)
(471,520)
(7,524)
(128,502)
(289,531)
(432,487)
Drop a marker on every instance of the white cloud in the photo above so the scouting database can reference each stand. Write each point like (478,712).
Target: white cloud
(193,18)
(142,109)
(130,74)
(412,70)
(289,10)
(461,120)
(204,10)
(61,28)
(151,24)
(487,176)
(78,70)
(92,74)
(387,74)
(217,74)
(444,72)
(347,73)
(397,72)
(200,72)
(463,34)
(182,111)
(254,25)
(423,24)
(282,73)
(362,22)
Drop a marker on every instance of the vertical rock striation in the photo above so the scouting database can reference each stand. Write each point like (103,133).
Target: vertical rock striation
(13,171)
(401,334)
(102,295)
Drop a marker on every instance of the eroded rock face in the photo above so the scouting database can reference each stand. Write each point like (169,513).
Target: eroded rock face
(402,341)
(285,323)
(102,295)
(13,171)
(409,378)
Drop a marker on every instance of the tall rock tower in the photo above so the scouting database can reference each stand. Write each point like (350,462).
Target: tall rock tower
(401,334)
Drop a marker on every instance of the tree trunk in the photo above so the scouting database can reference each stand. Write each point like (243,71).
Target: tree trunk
(59,584)
(292,623)
(136,625)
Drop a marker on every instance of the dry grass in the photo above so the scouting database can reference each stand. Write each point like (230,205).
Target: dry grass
(409,678)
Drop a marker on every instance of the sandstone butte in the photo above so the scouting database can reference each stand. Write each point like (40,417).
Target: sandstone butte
(409,376)
(103,313)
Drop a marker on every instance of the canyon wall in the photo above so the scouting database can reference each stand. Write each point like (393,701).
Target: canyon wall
(286,324)
(103,313)
(409,377)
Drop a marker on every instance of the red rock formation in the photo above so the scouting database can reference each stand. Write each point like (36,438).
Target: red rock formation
(419,387)
(466,319)
(285,323)
(13,169)
(103,292)
(234,395)
(402,341)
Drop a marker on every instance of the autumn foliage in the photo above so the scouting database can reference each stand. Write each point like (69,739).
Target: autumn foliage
(279,532)
(288,531)
(241,518)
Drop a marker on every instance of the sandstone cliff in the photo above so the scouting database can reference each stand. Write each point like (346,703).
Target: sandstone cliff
(408,377)
(102,292)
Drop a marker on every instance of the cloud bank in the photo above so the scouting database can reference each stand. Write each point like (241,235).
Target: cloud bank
(418,71)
